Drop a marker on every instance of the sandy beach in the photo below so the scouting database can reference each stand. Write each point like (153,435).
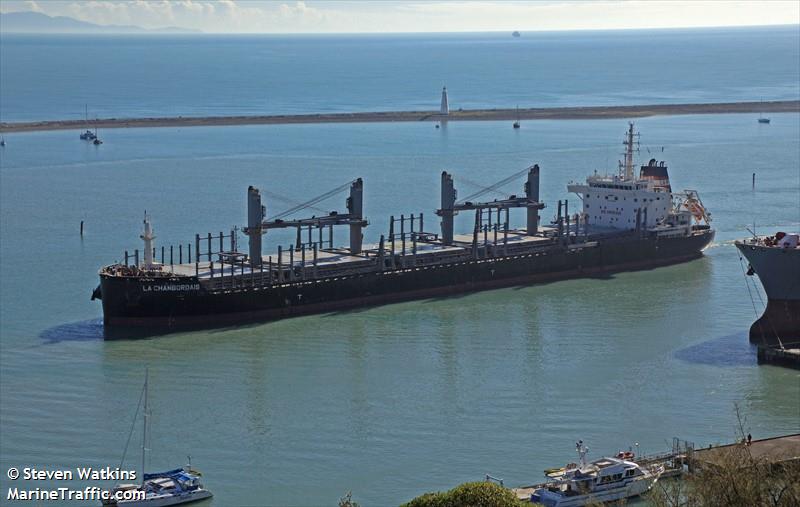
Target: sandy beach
(556,113)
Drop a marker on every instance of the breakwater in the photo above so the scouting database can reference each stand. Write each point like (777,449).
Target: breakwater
(552,113)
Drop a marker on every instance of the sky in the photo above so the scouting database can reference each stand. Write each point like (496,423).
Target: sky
(321,16)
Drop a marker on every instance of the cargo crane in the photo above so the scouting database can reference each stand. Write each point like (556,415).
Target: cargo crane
(258,225)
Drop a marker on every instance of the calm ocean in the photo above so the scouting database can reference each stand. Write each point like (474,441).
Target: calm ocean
(54,77)
(393,401)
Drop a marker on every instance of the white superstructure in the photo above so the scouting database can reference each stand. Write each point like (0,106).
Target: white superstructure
(624,201)
(602,480)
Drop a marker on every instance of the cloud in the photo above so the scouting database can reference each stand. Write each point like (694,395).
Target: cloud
(287,16)
(33,6)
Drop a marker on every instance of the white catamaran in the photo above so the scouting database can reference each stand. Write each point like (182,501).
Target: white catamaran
(161,489)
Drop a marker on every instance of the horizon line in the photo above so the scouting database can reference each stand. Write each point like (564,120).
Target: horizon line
(197,32)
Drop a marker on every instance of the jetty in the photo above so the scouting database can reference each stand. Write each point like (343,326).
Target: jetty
(446,112)
(685,457)
(775,451)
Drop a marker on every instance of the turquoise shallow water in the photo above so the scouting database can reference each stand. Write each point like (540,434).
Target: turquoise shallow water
(392,401)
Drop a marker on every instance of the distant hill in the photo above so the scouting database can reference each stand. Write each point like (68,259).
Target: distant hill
(36,22)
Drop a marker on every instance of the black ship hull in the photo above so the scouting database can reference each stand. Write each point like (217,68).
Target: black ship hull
(779,272)
(184,302)
(778,325)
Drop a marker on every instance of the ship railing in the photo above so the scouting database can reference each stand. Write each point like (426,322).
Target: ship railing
(186,254)
(169,256)
(234,271)
(496,480)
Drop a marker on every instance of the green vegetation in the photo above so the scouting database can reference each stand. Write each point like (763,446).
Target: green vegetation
(469,494)
(736,478)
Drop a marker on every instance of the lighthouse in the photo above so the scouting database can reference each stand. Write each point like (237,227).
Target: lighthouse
(445,108)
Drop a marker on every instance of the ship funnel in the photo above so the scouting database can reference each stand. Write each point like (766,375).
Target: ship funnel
(446,211)
(355,207)
(148,237)
(532,192)
(255,216)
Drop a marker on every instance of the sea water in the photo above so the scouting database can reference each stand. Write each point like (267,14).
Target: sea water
(58,76)
(391,401)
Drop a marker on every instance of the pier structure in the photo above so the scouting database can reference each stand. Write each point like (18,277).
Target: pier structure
(685,458)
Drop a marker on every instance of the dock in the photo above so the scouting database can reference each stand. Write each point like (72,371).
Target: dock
(685,458)
(774,451)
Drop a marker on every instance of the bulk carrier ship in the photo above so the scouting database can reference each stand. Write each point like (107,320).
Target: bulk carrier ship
(776,261)
(625,222)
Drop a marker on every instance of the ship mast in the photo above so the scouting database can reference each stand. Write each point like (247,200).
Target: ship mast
(631,140)
(148,238)
(582,450)
(144,424)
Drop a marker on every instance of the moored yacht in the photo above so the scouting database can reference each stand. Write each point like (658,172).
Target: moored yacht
(604,480)
(88,135)
(160,489)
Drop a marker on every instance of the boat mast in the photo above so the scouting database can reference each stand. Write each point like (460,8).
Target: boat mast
(629,144)
(582,450)
(144,425)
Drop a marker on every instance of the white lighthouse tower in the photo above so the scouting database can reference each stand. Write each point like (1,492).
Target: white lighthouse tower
(445,108)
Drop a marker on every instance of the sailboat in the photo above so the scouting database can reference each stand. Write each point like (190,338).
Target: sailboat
(516,123)
(160,489)
(96,140)
(2,141)
(88,135)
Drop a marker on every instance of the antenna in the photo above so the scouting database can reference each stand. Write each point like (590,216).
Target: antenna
(581,450)
(753,206)
(631,144)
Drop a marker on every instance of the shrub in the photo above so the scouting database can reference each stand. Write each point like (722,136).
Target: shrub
(470,494)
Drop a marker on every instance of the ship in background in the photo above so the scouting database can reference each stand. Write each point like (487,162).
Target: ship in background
(776,261)
(626,222)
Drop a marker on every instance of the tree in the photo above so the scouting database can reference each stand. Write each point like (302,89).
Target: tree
(733,477)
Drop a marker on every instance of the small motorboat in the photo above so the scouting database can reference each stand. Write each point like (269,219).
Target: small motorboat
(761,118)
